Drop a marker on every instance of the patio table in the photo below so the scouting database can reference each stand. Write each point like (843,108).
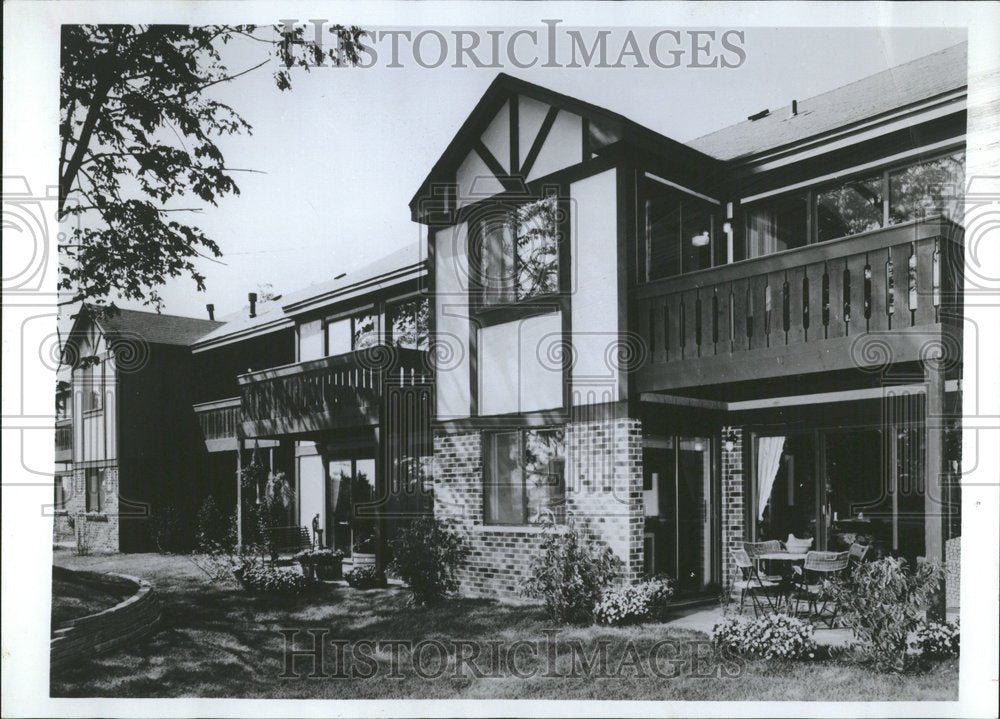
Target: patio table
(786,575)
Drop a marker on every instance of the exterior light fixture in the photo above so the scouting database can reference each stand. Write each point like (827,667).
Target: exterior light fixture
(730,442)
(700,240)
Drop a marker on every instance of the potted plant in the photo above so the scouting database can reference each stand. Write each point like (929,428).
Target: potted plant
(364,549)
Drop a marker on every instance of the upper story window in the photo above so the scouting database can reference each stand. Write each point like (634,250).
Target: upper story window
(852,206)
(680,232)
(357,332)
(93,387)
(519,256)
(408,323)
(63,400)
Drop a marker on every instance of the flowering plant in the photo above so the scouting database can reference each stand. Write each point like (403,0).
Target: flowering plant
(259,577)
(319,556)
(774,636)
(635,603)
(365,577)
(937,639)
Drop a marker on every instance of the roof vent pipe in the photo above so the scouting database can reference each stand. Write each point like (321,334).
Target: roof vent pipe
(252,296)
(211,311)
(795,108)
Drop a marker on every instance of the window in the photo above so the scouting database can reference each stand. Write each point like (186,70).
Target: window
(848,209)
(93,390)
(61,492)
(310,340)
(95,489)
(680,231)
(408,322)
(776,225)
(351,333)
(525,477)
(63,395)
(928,188)
(520,252)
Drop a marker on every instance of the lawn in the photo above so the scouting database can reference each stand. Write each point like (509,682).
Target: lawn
(219,642)
(71,600)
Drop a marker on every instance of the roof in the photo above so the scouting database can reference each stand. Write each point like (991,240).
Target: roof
(397,266)
(921,79)
(379,273)
(153,327)
(502,87)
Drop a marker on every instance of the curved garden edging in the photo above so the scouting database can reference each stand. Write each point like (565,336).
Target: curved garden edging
(132,618)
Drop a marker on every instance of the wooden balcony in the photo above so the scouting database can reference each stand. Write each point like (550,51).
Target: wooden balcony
(220,423)
(64,439)
(880,297)
(330,393)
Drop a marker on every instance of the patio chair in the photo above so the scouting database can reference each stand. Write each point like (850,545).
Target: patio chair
(820,567)
(856,554)
(749,582)
(755,549)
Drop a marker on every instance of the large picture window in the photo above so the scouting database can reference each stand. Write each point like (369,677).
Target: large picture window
(935,187)
(850,208)
(519,256)
(680,231)
(524,475)
(351,333)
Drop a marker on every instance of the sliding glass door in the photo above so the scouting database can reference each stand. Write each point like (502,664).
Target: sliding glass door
(350,490)
(841,486)
(677,483)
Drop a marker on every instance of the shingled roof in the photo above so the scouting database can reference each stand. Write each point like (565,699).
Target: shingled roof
(155,328)
(892,89)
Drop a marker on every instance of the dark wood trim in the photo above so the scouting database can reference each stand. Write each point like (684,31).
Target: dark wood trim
(496,168)
(625,193)
(585,132)
(540,418)
(536,146)
(564,241)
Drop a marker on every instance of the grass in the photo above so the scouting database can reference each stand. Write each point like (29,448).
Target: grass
(219,642)
(71,600)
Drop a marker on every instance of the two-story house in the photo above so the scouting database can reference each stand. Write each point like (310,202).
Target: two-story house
(124,427)
(331,386)
(680,347)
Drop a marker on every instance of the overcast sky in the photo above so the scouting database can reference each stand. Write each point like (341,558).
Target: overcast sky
(340,155)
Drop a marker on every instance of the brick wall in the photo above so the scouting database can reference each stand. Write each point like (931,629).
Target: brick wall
(96,531)
(732,499)
(132,618)
(603,501)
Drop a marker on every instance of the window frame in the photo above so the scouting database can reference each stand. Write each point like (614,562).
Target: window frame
(487,438)
(101,499)
(812,192)
(716,235)
(352,317)
(489,313)
(393,304)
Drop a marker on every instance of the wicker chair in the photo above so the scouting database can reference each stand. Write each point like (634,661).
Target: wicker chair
(755,549)
(820,567)
(749,582)
(857,553)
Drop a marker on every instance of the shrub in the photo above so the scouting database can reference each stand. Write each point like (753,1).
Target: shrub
(569,577)
(259,577)
(937,639)
(215,530)
(634,603)
(366,577)
(883,603)
(166,529)
(774,636)
(426,555)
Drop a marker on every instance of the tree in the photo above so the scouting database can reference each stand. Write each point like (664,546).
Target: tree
(138,131)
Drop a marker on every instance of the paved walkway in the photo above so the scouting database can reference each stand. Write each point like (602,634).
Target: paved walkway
(703,619)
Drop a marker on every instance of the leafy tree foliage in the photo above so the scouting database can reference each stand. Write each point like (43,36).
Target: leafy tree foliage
(138,131)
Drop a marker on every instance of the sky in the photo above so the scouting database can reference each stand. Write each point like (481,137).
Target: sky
(338,157)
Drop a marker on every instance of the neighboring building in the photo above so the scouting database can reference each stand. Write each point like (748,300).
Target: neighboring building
(681,347)
(124,427)
(329,386)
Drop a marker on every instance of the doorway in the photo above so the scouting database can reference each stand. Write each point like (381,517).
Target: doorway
(679,508)
(350,490)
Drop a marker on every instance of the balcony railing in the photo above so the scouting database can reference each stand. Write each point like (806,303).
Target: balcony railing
(219,420)
(64,439)
(801,310)
(329,393)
